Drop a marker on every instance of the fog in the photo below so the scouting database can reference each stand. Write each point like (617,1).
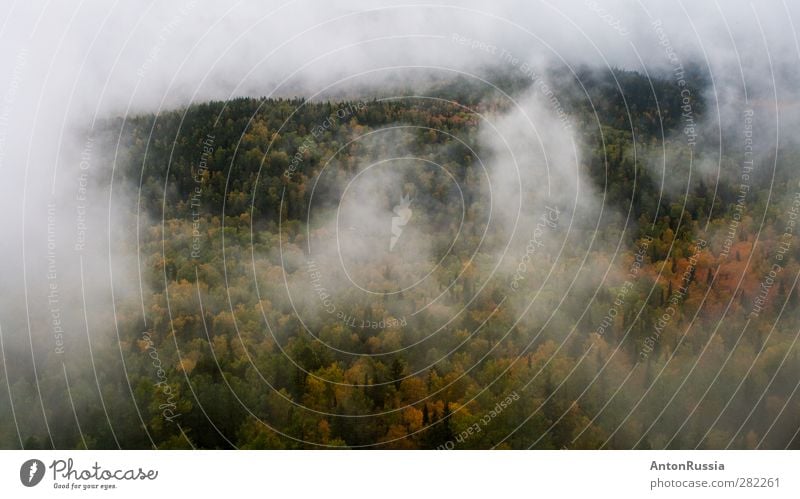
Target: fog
(68,256)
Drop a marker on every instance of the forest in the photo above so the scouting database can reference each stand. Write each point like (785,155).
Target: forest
(643,296)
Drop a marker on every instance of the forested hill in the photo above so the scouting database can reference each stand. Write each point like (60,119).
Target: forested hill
(267,342)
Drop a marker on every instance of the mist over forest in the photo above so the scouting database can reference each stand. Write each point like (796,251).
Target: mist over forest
(399,226)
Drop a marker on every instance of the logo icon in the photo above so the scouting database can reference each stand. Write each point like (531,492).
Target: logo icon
(403,212)
(31,472)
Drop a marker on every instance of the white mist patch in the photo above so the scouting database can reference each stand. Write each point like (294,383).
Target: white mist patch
(374,227)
